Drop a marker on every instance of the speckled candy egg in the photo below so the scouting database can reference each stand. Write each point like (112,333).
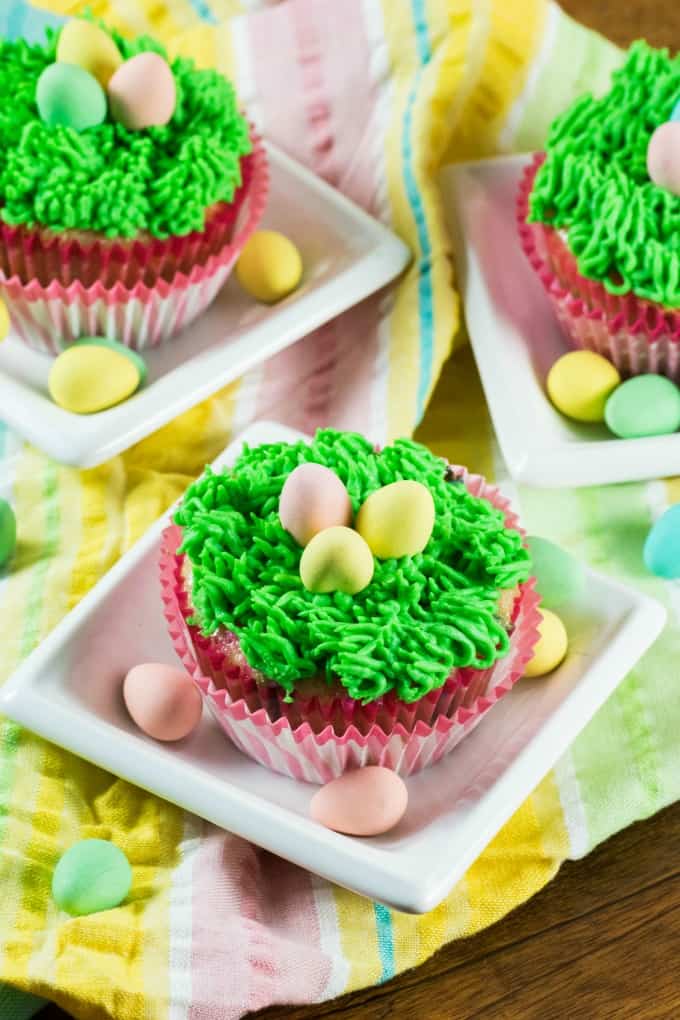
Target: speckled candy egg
(397,520)
(579,384)
(89,378)
(646,405)
(69,96)
(92,875)
(663,156)
(313,498)
(662,546)
(363,802)
(90,47)
(336,559)
(269,267)
(551,646)
(163,701)
(142,92)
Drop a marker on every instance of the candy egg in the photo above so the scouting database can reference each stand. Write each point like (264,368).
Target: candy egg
(336,559)
(69,96)
(90,47)
(579,384)
(559,577)
(142,92)
(269,267)
(113,345)
(162,700)
(364,802)
(92,875)
(663,156)
(4,320)
(397,520)
(551,647)
(646,405)
(8,532)
(313,498)
(662,547)
(91,378)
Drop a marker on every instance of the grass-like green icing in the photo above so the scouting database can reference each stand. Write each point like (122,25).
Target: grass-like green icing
(110,180)
(420,617)
(622,228)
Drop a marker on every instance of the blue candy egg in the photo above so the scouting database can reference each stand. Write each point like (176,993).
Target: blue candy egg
(675,114)
(662,547)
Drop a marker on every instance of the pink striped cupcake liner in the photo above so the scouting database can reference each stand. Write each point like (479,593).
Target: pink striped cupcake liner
(50,316)
(323,733)
(638,336)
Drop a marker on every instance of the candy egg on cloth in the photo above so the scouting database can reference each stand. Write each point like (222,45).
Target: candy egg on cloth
(313,498)
(4,320)
(663,156)
(90,47)
(269,267)
(646,405)
(8,532)
(364,802)
(142,92)
(69,96)
(551,647)
(579,384)
(89,378)
(397,520)
(662,546)
(162,701)
(559,577)
(336,559)
(93,875)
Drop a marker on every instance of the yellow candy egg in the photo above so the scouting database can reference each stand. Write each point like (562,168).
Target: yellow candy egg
(91,378)
(551,647)
(579,384)
(336,559)
(4,320)
(269,267)
(90,47)
(397,520)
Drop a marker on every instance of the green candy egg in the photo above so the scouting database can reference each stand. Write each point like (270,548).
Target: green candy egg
(68,95)
(8,532)
(559,577)
(92,875)
(646,405)
(113,345)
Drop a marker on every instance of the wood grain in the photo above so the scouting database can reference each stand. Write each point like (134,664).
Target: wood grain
(601,940)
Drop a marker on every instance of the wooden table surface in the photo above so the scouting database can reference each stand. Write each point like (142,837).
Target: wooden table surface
(601,940)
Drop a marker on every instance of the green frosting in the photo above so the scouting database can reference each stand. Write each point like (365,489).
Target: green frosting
(622,228)
(420,617)
(110,180)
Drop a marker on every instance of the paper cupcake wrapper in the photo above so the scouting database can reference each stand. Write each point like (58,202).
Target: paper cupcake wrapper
(317,738)
(638,336)
(49,317)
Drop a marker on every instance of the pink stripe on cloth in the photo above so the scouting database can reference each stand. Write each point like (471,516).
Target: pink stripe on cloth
(263,909)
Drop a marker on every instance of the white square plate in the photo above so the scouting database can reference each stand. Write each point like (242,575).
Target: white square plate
(68,690)
(516,338)
(347,256)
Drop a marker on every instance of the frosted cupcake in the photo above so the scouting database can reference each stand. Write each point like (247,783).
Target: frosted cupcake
(328,631)
(127,187)
(601,234)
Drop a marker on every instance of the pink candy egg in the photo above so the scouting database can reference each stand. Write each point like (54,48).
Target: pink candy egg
(312,499)
(162,700)
(142,92)
(663,156)
(364,802)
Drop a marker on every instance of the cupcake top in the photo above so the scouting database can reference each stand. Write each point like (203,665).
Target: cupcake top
(158,180)
(417,618)
(594,183)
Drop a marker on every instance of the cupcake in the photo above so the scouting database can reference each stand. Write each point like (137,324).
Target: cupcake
(341,606)
(128,185)
(599,231)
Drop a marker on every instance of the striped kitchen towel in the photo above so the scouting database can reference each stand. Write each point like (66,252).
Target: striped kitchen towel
(373,95)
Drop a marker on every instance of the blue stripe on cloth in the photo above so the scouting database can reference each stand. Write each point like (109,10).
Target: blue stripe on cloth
(203,10)
(425,300)
(383,924)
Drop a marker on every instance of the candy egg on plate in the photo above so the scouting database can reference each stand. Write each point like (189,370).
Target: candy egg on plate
(336,559)
(269,267)
(579,384)
(4,320)
(69,96)
(551,646)
(90,378)
(142,92)
(90,47)
(162,701)
(364,802)
(646,405)
(397,520)
(313,498)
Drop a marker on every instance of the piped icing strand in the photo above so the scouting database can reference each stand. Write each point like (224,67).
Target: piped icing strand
(119,183)
(622,228)
(420,617)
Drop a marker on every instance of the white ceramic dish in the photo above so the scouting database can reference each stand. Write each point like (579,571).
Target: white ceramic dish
(347,256)
(68,690)
(516,338)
